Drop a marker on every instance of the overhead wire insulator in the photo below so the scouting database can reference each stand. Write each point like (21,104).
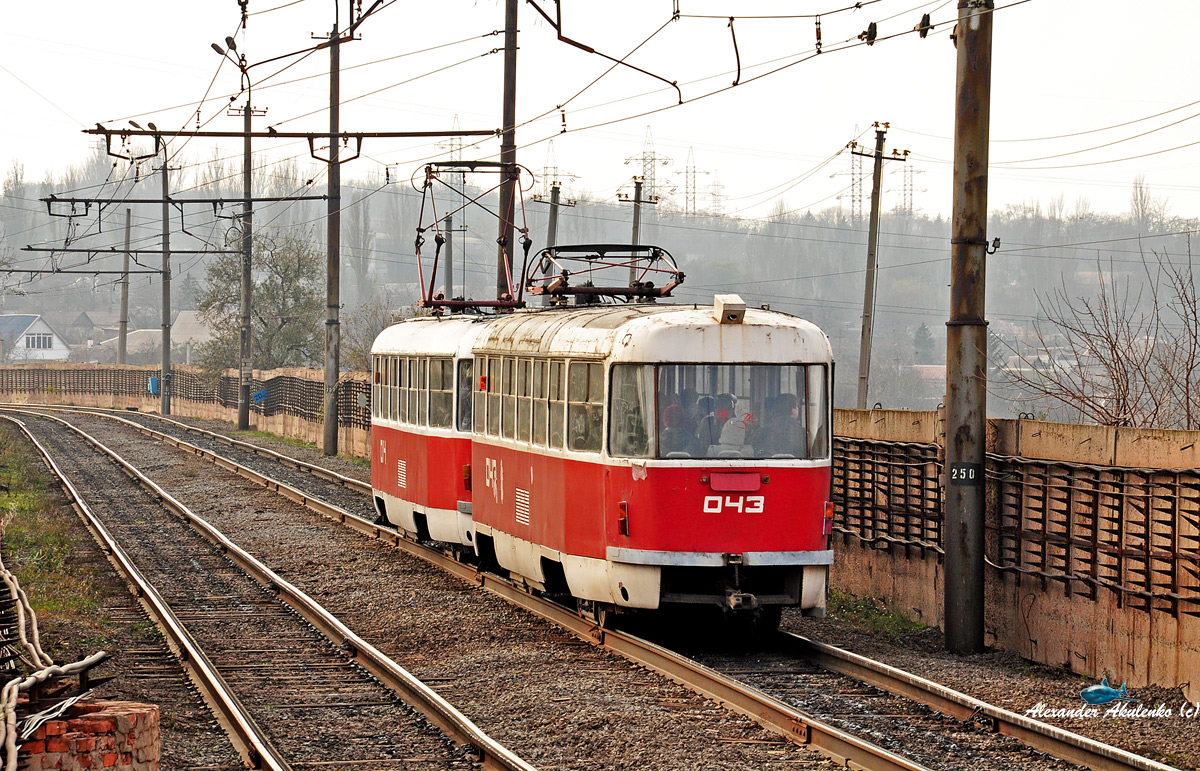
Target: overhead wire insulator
(924,27)
(818,34)
(869,34)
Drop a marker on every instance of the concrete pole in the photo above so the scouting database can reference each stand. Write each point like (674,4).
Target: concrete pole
(450,257)
(551,230)
(333,257)
(123,328)
(245,367)
(637,226)
(164,385)
(868,323)
(508,150)
(966,335)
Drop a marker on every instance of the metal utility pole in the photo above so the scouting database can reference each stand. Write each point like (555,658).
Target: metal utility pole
(333,260)
(689,183)
(552,224)
(245,365)
(868,324)
(551,229)
(164,385)
(966,334)
(637,223)
(555,202)
(450,257)
(508,150)
(123,324)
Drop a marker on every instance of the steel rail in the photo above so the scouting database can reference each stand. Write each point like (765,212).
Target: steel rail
(489,753)
(1044,737)
(286,460)
(247,738)
(778,717)
(1041,736)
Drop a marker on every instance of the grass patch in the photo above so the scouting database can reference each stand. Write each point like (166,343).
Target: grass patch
(254,434)
(289,441)
(870,615)
(37,539)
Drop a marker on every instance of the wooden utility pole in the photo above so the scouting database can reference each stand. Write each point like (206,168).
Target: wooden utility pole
(966,335)
(123,324)
(508,152)
(868,322)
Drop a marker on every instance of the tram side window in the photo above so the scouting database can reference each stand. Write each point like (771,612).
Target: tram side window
(392,392)
(585,406)
(493,397)
(818,412)
(524,396)
(400,390)
(555,393)
(630,434)
(541,406)
(464,395)
(479,385)
(441,393)
(423,390)
(509,421)
(376,384)
(379,400)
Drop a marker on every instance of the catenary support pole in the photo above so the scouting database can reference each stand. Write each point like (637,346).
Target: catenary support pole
(164,381)
(508,151)
(123,328)
(551,229)
(245,366)
(637,224)
(333,257)
(868,320)
(966,335)
(449,259)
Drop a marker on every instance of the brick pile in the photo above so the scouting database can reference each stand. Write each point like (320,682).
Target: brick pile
(96,735)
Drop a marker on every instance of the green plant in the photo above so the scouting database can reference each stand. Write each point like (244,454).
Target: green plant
(870,614)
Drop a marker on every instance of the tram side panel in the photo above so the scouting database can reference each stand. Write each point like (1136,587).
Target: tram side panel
(421,479)
(545,512)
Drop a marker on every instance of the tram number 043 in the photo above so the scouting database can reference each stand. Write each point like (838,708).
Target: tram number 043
(742,504)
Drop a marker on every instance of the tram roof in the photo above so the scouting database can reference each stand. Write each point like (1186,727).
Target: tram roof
(430,335)
(654,332)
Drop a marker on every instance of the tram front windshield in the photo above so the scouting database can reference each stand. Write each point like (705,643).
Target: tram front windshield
(680,411)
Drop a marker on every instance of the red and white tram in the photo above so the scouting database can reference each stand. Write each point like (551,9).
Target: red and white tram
(635,456)
(420,430)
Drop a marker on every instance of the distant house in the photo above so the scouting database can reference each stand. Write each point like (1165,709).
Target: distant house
(27,337)
(144,346)
(97,325)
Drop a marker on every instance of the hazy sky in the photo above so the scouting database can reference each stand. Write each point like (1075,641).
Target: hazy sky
(1062,69)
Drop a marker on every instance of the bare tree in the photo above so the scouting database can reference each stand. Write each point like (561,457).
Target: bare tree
(1148,212)
(362,326)
(1129,355)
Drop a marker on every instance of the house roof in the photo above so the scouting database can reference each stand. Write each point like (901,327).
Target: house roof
(189,328)
(136,341)
(98,318)
(13,325)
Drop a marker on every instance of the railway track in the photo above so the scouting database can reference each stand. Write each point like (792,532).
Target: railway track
(292,686)
(925,708)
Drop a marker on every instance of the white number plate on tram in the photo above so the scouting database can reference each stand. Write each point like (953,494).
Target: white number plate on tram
(742,504)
